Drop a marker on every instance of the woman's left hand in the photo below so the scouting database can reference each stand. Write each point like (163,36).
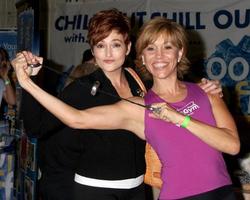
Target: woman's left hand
(211,86)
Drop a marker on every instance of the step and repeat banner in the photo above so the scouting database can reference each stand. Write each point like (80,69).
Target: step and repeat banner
(219,37)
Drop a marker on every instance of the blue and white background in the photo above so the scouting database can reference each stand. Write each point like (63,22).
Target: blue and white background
(219,35)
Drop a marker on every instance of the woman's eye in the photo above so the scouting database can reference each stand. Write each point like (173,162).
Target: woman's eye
(168,47)
(150,48)
(99,46)
(116,45)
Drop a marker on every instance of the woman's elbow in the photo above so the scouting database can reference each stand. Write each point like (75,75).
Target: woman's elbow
(235,148)
(76,124)
(78,120)
(74,120)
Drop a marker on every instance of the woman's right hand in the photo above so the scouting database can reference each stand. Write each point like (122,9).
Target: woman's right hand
(32,59)
(20,65)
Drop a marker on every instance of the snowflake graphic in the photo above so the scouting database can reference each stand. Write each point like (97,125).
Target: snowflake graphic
(230,63)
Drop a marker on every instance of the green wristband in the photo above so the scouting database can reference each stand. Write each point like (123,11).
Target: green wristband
(186,121)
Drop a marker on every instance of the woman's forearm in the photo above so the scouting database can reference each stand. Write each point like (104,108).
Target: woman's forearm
(222,139)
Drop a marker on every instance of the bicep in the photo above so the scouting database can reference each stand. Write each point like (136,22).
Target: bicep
(122,115)
(222,115)
(104,117)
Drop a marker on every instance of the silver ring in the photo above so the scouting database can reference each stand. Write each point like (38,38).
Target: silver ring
(34,65)
(157,110)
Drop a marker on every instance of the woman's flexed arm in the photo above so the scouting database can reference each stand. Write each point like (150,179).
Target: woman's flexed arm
(116,116)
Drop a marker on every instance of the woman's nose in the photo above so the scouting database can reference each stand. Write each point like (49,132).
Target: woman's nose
(108,51)
(159,53)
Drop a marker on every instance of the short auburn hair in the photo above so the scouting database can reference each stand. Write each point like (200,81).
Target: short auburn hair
(104,22)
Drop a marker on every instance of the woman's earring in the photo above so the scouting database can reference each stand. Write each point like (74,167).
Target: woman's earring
(143,62)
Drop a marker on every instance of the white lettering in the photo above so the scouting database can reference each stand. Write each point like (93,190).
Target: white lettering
(189,108)
(223,69)
(232,65)
(230,69)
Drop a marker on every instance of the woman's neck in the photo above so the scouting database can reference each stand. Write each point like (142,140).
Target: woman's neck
(119,82)
(170,90)
(116,77)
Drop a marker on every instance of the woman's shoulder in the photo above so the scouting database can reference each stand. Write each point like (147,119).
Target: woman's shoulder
(190,84)
(193,87)
(195,91)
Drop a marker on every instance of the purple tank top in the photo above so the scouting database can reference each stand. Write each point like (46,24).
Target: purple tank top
(189,166)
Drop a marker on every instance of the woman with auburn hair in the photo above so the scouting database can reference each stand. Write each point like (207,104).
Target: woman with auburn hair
(202,138)
(111,165)
(87,163)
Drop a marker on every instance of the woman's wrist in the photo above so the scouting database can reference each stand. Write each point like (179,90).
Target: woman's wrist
(186,121)
(27,84)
